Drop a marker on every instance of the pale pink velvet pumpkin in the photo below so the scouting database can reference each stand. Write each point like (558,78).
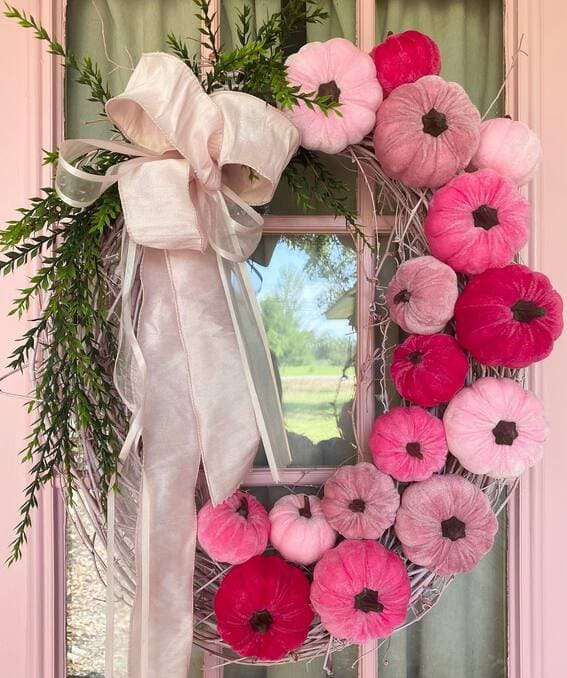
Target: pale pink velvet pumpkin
(496,428)
(426,132)
(235,530)
(360,502)
(421,296)
(299,529)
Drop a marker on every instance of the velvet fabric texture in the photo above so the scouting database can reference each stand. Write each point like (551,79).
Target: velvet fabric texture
(340,70)
(445,524)
(429,370)
(509,316)
(360,502)
(262,608)
(496,428)
(422,294)
(426,132)
(408,443)
(360,590)
(405,57)
(477,221)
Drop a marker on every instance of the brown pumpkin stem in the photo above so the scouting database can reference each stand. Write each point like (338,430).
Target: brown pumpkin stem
(415,357)
(402,297)
(434,123)
(305,510)
(505,432)
(453,529)
(485,217)
(357,505)
(367,601)
(524,311)
(414,450)
(261,621)
(507,116)
(329,89)
(242,509)
(389,33)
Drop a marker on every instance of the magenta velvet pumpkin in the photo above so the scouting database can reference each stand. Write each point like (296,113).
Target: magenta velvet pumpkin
(360,502)
(405,57)
(408,443)
(445,524)
(477,221)
(429,370)
(262,608)
(235,530)
(509,316)
(426,132)
(509,147)
(496,428)
(421,296)
(360,591)
(299,529)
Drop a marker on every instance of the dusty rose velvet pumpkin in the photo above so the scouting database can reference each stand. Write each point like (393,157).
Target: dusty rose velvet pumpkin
(477,221)
(262,608)
(445,524)
(405,57)
(235,530)
(509,316)
(408,443)
(509,147)
(339,70)
(426,132)
(496,428)
(360,590)
(299,529)
(360,502)
(421,296)
(429,370)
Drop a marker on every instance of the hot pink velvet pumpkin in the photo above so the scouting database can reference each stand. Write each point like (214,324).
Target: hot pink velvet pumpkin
(408,443)
(235,530)
(421,296)
(429,370)
(445,524)
(509,316)
(509,147)
(360,502)
(360,591)
(496,428)
(339,70)
(477,221)
(426,132)
(300,531)
(405,57)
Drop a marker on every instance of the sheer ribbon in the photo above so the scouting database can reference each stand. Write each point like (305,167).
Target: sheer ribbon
(196,372)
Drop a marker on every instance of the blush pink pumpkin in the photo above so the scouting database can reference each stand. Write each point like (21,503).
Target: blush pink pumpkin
(360,502)
(445,524)
(496,428)
(235,530)
(422,294)
(339,70)
(426,132)
(477,221)
(360,591)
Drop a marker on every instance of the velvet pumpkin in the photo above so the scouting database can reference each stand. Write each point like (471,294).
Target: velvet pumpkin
(360,591)
(299,529)
(426,132)
(235,530)
(405,57)
(496,428)
(478,220)
(509,147)
(262,608)
(445,524)
(339,70)
(360,502)
(421,296)
(429,370)
(509,316)
(408,443)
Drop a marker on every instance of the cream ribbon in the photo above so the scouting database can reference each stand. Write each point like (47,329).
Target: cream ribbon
(198,162)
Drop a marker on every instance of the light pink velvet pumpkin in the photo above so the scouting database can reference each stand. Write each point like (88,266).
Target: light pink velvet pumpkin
(235,530)
(421,296)
(300,531)
(510,148)
(360,502)
(426,132)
